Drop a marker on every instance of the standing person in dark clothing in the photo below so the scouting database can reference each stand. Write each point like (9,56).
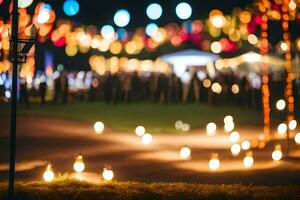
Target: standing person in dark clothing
(115,88)
(136,85)
(64,87)
(107,87)
(24,93)
(42,91)
(57,90)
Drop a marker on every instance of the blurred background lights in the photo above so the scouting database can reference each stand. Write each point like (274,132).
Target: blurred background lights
(282,128)
(248,160)
(24,3)
(107,174)
(228,127)
(154,11)
(43,16)
(178,124)
(228,119)
(107,32)
(71,7)
(151,29)
(235,149)
(211,128)
(183,10)
(147,138)
(122,18)
(235,89)
(252,39)
(185,152)
(292,124)
(280,104)
(140,130)
(277,154)
(216,47)
(297,138)
(99,127)
(79,165)
(246,145)
(214,162)
(48,174)
(185,127)
(234,136)
(283,46)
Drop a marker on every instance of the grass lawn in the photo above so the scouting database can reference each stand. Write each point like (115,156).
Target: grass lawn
(72,190)
(155,117)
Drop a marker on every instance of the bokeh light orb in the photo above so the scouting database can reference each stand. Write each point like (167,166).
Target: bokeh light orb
(246,145)
(292,124)
(234,136)
(185,152)
(140,130)
(228,119)
(107,32)
(23,3)
(71,7)
(43,16)
(122,18)
(280,104)
(277,154)
(228,127)
(99,127)
(178,124)
(248,160)
(154,11)
(214,162)
(185,127)
(211,128)
(147,138)
(151,29)
(216,47)
(297,138)
(107,174)
(282,128)
(235,149)
(79,165)
(235,89)
(183,10)
(48,174)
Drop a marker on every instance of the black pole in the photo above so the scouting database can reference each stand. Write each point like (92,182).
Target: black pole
(13,123)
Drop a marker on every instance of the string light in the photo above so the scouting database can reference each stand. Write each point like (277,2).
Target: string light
(140,131)
(292,124)
(99,127)
(246,145)
(79,165)
(248,160)
(147,138)
(277,154)
(235,149)
(211,128)
(185,152)
(48,174)
(280,104)
(107,174)
(282,128)
(234,136)
(214,162)
(297,138)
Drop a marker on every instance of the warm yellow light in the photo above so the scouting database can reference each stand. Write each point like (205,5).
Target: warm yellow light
(147,138)
(211,128)
(216,88)
(178,124)
(216,47)
(228,127)
(218,21)
(297,138)
(282,128)
(235,149)
(252,39)
(185,127)
(248,160)
(107,174)
(43,16)
(48,174)
(185,152)
(206,83)
(234,136)
(140,131)
(235,89)
(79,165)
(277,154)
(246,145)
(214,162)
(292,124)
(228,119)
(284,46)
(99,127)
(292,5)
(280,104)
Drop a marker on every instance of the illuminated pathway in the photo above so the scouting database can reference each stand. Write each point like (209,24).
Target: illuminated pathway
(59,141)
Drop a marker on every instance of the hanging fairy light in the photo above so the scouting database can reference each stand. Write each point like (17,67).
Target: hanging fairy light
(248,160)
(211,128)
(79,165)
(235,149)
(246,145)
(185,152)
(107,174)
(280,104)
(292,124)
(99,127)
(234,136)
(214,162)
(277,154)
(48,174)
(140,130)
(297,138)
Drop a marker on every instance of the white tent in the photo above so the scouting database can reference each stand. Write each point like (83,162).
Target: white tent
(182,60)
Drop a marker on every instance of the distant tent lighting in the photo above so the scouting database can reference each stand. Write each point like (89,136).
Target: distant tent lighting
(154,11)
(211,128)
(248,160)
(71,7)
(140,130)
(185,152)
(99,127)
(79,165)
(183,10)
(277,154)
(122,18)
(214,162)
(107,174)
(48,174)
